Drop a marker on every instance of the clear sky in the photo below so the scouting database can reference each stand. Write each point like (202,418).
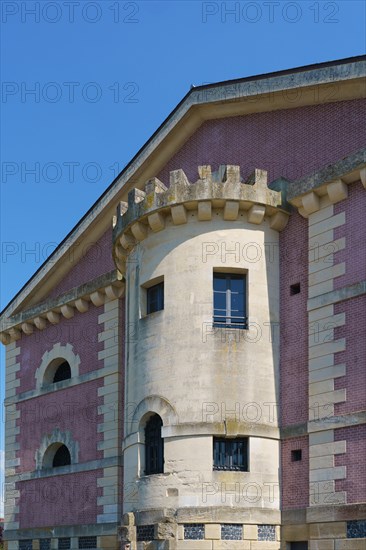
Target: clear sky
(85,83)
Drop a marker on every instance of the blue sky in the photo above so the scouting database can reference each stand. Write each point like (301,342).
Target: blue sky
(84,85)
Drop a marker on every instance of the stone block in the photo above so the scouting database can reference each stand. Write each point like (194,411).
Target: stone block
(231,545)
(231,210)
(295,532)
(337,191)
(213,531)
(204,211)
(350,544)
(179,214)
(334,530)
(250,532)
(321,544)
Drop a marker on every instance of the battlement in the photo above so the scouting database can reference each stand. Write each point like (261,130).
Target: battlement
(148,209)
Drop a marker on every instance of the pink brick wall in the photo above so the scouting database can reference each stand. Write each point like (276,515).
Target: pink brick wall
(354,231)
(293,319)
(354,356)
(73,409)
(289,143)
(61,500)
(295,475)
(354,460)
(96,259)
(81,332)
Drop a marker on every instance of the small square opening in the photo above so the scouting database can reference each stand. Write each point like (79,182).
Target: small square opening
(296,455)
(295,289)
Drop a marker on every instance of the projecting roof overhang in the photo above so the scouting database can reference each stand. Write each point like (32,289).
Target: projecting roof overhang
(309,85)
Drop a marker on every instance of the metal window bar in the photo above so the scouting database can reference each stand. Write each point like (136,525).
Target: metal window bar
(229,301)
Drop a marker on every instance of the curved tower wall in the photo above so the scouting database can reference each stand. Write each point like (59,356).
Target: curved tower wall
(203,381)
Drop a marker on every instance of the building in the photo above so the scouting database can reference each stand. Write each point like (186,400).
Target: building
(187,371)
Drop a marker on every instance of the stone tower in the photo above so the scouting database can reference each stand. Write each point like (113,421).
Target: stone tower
(201,265)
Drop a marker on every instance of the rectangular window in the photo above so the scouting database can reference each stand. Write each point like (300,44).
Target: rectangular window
(25,545)
(299,545)
(230,454)
(229,300)
(45,544)
(145,532)
(155,298)
(88,542)
(194,531)
(64,543)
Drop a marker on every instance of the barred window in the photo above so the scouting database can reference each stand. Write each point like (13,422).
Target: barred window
(88,542)
(25,545)
(229,300)
(145,532)
(230,454)
(64,544)
(154,446)
(155,298)
(194,531)
(266,532)
(231,531)
(44,544)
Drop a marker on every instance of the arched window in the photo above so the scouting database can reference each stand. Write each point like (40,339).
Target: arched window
(62,457)
(154,446)
(56,455)
(63,372)
(58,369)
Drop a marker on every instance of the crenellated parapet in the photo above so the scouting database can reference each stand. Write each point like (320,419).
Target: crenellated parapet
(223,191)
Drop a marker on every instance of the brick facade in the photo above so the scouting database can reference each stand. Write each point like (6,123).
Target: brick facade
(321,381)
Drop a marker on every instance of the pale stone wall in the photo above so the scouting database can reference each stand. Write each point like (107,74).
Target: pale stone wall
(203,381)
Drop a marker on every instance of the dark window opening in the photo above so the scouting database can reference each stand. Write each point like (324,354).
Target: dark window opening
(229,300)
(62,457)
(295,289)
(145,532)
(154,446)
(25,544)
(296,455)
(194,531)
(303,545)
(88,542)
(64,544)
(230,454)
(44,544)
(155,298)
(63,372)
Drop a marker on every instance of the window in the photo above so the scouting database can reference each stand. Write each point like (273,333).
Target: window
(154,446)
(231,531)
(45,544)
(64,544)
(63,372)
(62,457)
(25,545)
(194,531)
(295,289)
(155,298)
(88,542)
(230,454)
(145,532)
(296,455)
(299,545)
(229,300)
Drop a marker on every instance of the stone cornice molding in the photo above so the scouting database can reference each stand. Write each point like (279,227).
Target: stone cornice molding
(146,211)
(99,291)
